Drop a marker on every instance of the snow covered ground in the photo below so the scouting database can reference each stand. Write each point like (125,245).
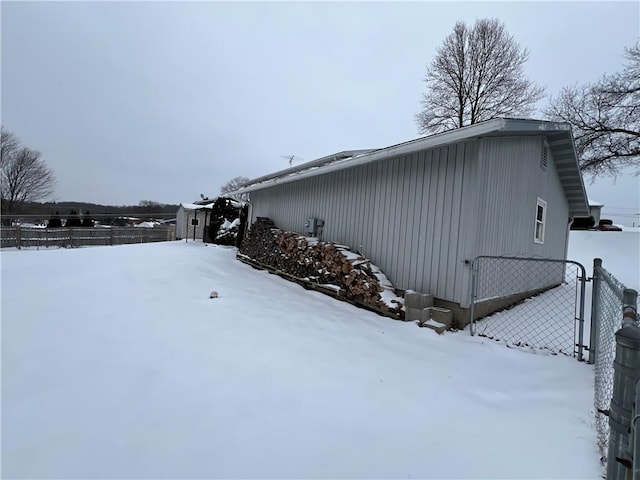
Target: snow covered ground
(116,364)
(619,251)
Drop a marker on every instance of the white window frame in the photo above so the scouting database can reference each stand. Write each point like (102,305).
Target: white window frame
(540,225)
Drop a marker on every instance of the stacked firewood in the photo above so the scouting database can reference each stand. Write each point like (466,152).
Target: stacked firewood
(335,266)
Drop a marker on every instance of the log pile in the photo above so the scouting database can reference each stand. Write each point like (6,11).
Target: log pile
(327,264)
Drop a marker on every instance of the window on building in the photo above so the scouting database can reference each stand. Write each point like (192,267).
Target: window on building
(541,216)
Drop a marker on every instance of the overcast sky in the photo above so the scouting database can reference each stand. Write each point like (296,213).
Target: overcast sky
(133,101)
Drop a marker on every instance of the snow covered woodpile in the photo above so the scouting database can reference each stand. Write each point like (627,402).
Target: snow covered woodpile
(326,264)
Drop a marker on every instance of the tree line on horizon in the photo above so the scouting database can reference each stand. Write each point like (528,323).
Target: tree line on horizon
(102,214)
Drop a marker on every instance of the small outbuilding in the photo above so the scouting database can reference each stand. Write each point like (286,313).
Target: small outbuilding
(595,208)
(191,218)
(424,209)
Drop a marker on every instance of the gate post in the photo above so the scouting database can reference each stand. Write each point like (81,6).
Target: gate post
(583,282)
(472,303)
(626,374)
(635,433)
(595,304)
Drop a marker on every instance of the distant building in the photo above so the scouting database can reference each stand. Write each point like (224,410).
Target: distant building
(192,215)
(595,208)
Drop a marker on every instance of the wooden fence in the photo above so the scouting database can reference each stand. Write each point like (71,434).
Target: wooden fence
(19,237)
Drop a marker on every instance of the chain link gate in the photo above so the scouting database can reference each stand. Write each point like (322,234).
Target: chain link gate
(529,302)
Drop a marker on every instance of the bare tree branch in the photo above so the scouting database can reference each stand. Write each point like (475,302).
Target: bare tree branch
(476,75)
(605,117)
(233,185)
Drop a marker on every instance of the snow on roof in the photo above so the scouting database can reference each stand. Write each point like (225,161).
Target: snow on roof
(208,205)
(595,203)
(193,206)
(305,167)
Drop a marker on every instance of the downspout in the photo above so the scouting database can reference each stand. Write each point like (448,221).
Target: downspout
(204,227)
(566,241)
(249,216)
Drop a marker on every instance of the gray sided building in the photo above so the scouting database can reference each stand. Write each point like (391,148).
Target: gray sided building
(423,209)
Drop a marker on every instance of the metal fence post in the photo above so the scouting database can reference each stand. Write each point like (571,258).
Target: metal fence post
(583,283)
(18,237)
(626,373)
(635,432)
(472,325)
(595,306)
(629,307)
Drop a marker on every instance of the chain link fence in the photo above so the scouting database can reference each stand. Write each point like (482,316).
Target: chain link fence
(606,320)
(529,302)
(539,304)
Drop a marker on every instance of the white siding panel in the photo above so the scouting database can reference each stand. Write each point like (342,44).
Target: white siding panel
(510,170)
(404,213)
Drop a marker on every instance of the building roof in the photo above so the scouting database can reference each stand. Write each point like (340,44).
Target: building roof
(193,206)
(558,136)
(208,204)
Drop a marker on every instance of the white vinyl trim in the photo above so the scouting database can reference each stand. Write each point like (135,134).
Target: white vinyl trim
(540,221)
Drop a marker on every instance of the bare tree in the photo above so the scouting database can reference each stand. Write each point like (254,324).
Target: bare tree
(233,185)
(476,75)
(605,117)
(24,176)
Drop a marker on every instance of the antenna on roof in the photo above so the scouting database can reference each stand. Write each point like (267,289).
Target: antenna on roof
(291,158)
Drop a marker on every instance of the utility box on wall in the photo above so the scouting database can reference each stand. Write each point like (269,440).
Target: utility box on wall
(312,225)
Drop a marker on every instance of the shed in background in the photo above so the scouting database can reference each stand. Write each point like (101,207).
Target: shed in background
(192,212)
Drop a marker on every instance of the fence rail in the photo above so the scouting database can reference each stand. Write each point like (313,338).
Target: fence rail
(18,237)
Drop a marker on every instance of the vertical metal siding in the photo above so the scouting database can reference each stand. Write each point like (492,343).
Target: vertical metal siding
(410,244)
(513,180)
(469,220)
(424,164)
(420,216)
